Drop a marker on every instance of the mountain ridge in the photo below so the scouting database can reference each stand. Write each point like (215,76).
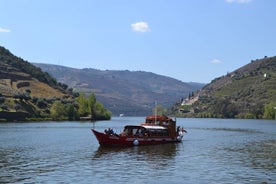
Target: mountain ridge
(123,91)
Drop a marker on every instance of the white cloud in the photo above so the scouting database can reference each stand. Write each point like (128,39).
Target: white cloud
(238,1)
(3,30)
(216,61)
(140,27)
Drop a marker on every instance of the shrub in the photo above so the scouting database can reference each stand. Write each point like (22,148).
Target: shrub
(4,107)
(2,99)
(41,103)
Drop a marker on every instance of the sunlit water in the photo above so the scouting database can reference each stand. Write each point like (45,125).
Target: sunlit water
(213,151)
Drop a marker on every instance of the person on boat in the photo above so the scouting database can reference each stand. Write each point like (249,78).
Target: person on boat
(180,130)
(126,132)
(144,132)
(183,130)
(109,131)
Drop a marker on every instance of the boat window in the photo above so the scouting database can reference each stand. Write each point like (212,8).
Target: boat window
(158,132)
(139,131)
(136,131)
(128,131)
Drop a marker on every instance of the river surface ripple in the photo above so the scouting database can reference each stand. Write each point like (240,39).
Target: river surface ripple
(213,151)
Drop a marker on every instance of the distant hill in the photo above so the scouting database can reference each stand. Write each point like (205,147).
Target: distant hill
(123,92)
(26,92)
(243,93)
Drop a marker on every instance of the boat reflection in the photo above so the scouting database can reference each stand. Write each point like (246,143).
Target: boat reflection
(142,153)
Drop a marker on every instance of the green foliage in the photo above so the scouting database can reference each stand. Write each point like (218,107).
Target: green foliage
(248,92)
(90,106)
(72,113)
(91,101)
(100,113)
(58,111)
(225,109)
(246,115)
(270,111)
(2,99)
(83,109)
(41,103)
(4,107)
(159,110)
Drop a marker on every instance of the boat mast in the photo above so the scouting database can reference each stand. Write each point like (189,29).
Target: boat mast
(155,112)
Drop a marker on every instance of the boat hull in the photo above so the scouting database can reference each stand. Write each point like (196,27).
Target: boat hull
(119,140)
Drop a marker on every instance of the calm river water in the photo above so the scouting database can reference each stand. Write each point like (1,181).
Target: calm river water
(213,151)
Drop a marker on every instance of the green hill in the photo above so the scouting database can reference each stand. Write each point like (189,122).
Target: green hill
(26,92)
(248,92)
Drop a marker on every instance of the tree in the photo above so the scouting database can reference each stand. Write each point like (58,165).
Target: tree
(17,107)
(2,99)
(57,111)
(159,110)
(100,112)
(4,107)
(72,113)
(41,103)
(270,111)
(224,108)
(83,105)
(92,105)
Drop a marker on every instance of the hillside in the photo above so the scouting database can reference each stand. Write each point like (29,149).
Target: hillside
(26,92)
(127,92)
(14,81)
(243,93)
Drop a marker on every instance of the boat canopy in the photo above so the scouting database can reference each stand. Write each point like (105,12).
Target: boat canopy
(145,130)
(153,127)
(159,120)
(144,126)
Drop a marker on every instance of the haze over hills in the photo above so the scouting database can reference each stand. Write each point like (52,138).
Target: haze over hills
(123,92)
(248,92)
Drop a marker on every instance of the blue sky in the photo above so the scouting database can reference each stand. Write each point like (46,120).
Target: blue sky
(190,40)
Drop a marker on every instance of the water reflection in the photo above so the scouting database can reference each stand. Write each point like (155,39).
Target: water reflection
(150,152)
(160,155)
(138,164)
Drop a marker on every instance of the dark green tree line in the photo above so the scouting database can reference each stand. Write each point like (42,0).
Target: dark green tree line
(83,107)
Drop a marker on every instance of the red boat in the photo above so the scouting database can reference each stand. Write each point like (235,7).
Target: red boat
(155,130)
